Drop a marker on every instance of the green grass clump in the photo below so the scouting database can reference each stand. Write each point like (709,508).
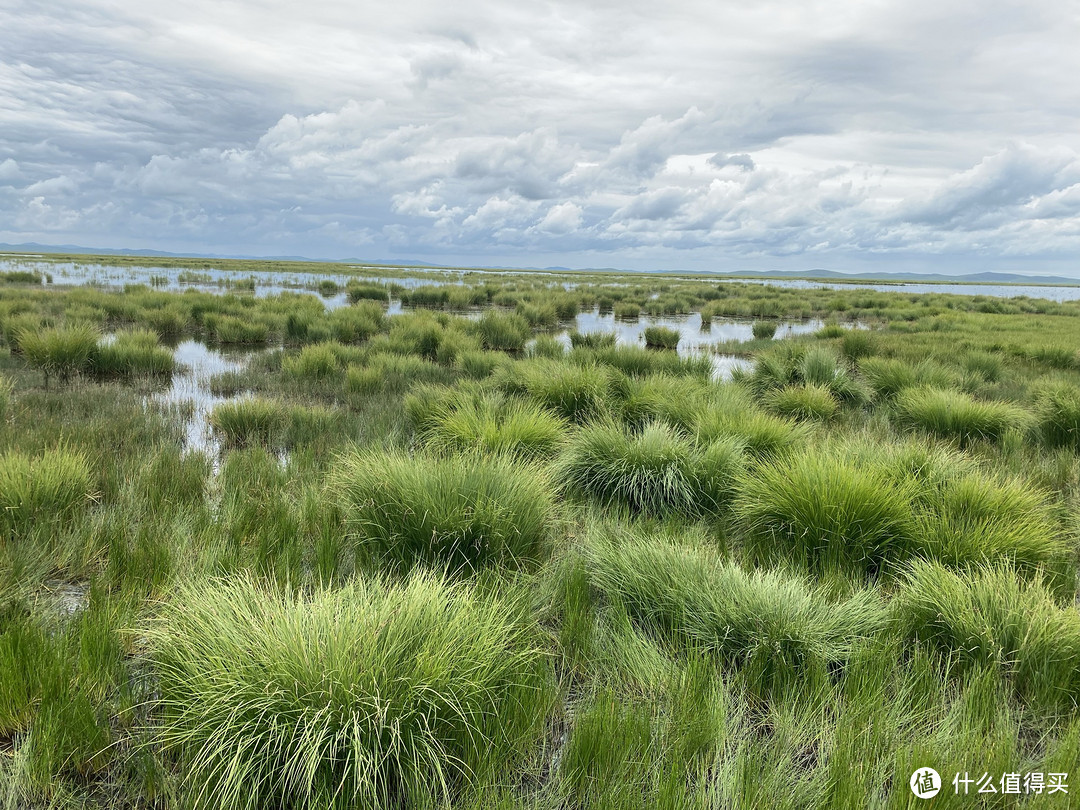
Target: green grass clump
(132,353)
(956,415)
(458,512)
(493,423)
(59,351)
(577,393)
(857,344)
(826,512)
(763,330)
(367,292)
(317,362)
(505,333)
(761,434)
(627,311)
(637,361)
(795,364)
(974,518)
(380,694)
(357,323)
(37,490)
(656,471)
(888,377)
(7,388)
(237,331)
(1057,414)
(993,617)
(606,754)
(254,421)
(777,627)
(660,337)
(809,401)
(592,340)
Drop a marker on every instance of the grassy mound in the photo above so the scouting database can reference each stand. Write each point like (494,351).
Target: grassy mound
(660,337)
(974,518)
(776,626)
(762,434)
(1057,414)
(795,364)
(656,471)
(826,512)
(995,618)
(763,330)
(243,422)
(318,362)
(577,393)
(376,695)
(59,351)
(810,401)
(592,340)
(491,423)
(460,512)
(956,415)
(133,353)
(37,490)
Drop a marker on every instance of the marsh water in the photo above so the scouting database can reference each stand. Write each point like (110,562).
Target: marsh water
(190,389)
(197,364)
(213,279)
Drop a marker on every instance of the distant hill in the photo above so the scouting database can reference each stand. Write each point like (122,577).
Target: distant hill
(815,274)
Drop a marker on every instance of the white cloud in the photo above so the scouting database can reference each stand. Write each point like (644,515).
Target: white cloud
(629,134)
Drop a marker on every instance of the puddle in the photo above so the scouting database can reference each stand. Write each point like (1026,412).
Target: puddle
(189,389)
(66,599)
(694,339)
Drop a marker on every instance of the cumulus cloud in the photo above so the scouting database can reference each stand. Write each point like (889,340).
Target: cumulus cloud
(711,135)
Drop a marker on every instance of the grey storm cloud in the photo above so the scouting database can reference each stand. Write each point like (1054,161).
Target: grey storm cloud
(633,134)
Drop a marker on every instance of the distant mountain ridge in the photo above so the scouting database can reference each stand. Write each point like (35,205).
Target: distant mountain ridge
(814,274)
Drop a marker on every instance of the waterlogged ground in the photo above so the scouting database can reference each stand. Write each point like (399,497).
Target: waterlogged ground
(251,537)
(190,389)
(213,279)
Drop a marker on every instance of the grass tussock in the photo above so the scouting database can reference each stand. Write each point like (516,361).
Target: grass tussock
(956,415)
(455,513)
(249,421)
(826,512)
(377,695)
(131,353)
(655,472)
(1057,414)
(660,337)
(577,393)
(807,402)
(995,618)
(489,422)
(59,351)
(37,490)
(777,627)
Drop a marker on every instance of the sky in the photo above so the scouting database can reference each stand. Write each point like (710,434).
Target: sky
(852,135)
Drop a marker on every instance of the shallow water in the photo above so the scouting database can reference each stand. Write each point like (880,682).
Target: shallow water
(269,283)
(694,339)
(190,386)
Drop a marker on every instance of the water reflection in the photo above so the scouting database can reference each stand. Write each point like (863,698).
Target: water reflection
(197,364)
